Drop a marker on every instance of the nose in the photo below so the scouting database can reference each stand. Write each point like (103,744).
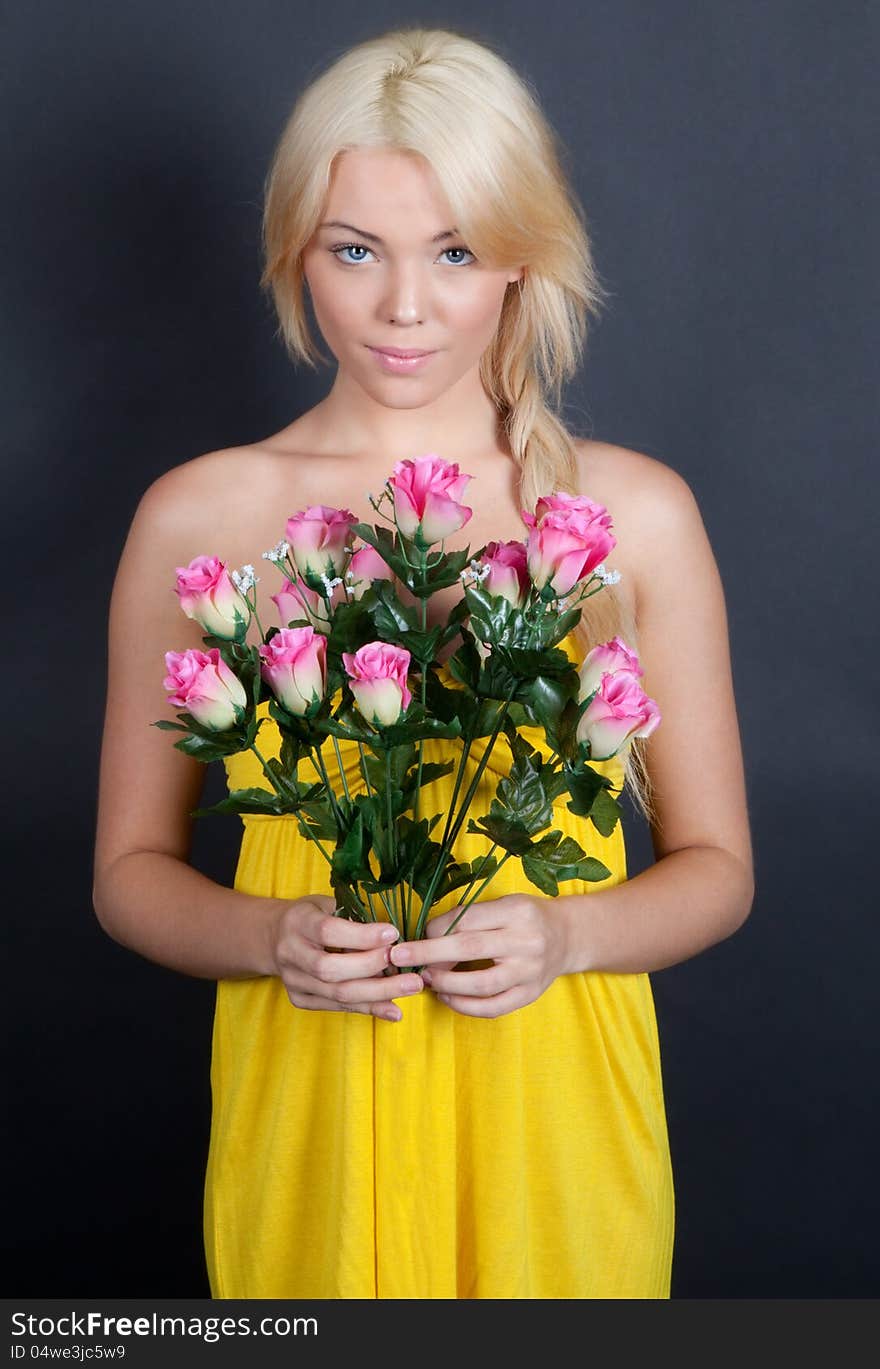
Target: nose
(405,298)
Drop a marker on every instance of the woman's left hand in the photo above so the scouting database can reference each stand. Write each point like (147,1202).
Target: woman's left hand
(525,937)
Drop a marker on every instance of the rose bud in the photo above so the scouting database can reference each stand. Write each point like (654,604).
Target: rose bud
(317,537)
(294,666)
(426,491)
(202,683)
(364,567)
(508,571)
(619,710)
(606,659)
(569,536)
(378,681)
(208,595)
(297,601)
(570,503)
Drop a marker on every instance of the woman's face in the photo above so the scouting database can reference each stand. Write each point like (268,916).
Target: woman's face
(398,277)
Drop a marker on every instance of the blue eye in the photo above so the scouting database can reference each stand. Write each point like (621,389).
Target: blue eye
(460,249)
(359,247)
(349,247)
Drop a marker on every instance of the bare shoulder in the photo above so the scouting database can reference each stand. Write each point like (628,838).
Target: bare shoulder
(634,484)
(207,485)
(653,507)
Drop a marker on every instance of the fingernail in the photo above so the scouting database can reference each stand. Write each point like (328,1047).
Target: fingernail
(393,1015)
(426,976)
(390,933)
(400,955)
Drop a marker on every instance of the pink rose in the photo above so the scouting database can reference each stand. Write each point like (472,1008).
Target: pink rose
(508,571)
(297,601)
(364,567)
(567,541)
(607,659)
(572,503)
(426,491)
(202,683)
(378,681)
(295,668)
(317,537)
(619,710)
(208,595)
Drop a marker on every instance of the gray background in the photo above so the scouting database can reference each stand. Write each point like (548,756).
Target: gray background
(722,152)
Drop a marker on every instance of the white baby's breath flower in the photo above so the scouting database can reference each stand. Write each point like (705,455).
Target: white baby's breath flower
(244,579)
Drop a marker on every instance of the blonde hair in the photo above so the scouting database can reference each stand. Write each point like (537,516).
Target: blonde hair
(458,104)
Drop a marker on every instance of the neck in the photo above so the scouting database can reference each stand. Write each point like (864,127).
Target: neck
(461,424)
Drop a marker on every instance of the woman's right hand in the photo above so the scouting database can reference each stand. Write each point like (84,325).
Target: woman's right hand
(333,963)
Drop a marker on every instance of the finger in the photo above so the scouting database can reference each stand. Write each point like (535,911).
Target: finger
(457,946)
(489,913)
(331,967)
(496,1006)
(353,990)
(497,979)
(383,1008)
(327,930)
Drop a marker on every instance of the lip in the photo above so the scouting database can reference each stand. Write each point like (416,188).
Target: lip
(401,360)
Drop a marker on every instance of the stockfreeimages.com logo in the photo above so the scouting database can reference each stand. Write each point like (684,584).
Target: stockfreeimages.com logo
(91,1324)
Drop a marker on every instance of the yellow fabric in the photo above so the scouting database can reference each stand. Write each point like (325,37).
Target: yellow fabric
(443,1156)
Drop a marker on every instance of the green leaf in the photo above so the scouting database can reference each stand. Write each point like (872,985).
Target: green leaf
(557,858)
(522,791)
(584,784)
(411,731)
(605,813)
(392,619)
(431,770)
(547,697)
(253,800)
(590,797)
(205,750)
(460,875)
(465,665)
(319,815)
(562,731)
(350,857)
(503,829)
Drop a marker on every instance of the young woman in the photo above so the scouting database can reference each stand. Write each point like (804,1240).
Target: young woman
(495,1130)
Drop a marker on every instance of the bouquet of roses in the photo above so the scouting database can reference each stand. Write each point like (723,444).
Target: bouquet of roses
(354,663)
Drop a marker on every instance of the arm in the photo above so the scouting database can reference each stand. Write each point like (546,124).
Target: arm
(146,895)
(700,890)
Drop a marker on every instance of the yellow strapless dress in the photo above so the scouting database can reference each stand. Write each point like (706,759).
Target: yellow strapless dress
(442,1156)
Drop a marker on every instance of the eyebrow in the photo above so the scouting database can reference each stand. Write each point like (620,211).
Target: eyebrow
(372,237)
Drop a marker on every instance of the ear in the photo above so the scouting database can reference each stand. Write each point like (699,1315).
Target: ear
(519,275)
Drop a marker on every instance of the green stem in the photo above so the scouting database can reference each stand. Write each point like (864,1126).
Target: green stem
(257,617)
(480,868)
(462,762)
(443,858)
(286,792)
(279,784)
(392,841)
(424,699)
(341,769)
(322,771)
(477,893)
(392,916)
